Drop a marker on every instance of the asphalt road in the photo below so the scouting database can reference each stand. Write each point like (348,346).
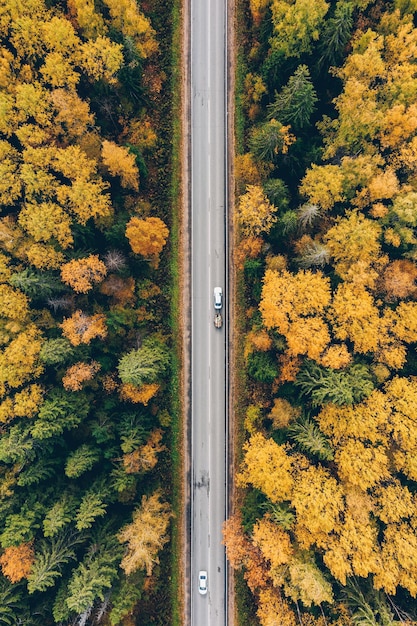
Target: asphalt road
(208,259)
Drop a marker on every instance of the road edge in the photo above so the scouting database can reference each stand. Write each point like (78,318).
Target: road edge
(231,191)
(185,247)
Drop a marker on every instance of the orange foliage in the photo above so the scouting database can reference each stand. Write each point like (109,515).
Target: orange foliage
(16,561)
(337,356)
(141,394)
(248,247)
(121,289)
(258,340)
(147,237)
(399,279)
(289,366)
(78,374)
(80,274)
(144,458)
(83,328)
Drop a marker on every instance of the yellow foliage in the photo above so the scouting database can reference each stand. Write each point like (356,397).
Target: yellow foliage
(306,582)
(383,186)
(121,162)
(323,185)
(283,413)
(141,395)
(127,18)
(337,356)
(147,237)
(45,221)
(101,58)
(26,403)
(44,256)
(274,543)
(309,336)
(362,464)
(360,324)
(286,297)
(142,134)
(273,610)
(258,340)
(352,240)
(89,21)
(367,420)
(19,361)
(144,458)
(13,303)
(146,535)
(247,170)
(267,467)
(394,502)
(318,500)
(258,8)
(255,214)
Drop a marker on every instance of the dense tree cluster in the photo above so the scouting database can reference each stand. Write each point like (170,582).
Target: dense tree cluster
(84,342)
(327,530)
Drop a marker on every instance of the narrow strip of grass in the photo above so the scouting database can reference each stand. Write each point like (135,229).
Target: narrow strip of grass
(244,606)
(176,425)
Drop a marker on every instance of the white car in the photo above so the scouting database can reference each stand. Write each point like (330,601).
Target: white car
(218,298)
(202,582)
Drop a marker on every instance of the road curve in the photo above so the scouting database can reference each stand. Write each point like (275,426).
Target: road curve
(208,344)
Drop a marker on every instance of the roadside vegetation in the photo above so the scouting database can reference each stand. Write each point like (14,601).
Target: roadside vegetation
(86,399)
(326,212)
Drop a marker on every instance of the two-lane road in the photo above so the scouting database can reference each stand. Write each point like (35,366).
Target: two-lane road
(208,352)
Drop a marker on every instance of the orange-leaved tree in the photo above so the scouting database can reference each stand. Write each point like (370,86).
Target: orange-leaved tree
(81,274)
(147,237)
(16,561)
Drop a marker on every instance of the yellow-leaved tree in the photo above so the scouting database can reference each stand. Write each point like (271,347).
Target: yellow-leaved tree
(146,535)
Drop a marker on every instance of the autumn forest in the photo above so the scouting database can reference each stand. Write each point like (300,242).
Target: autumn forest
(325,524)
(84,310)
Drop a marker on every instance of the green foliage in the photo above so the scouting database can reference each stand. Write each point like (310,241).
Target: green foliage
(310,438)
(126,597)
(16,445)
(94,575)
(133,432)
(35,473)
(56,351)
(81,460)
(262,367)
(35,284)
(21,527)
(50,559)
(92,506)
(59,516)
(146,364)
(277,193)
(267,141)
(61,411)
(10,603)
(336,34)
(281,514)
(295,103)
(325,385)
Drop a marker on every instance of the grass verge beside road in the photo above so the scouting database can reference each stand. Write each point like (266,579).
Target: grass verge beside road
(178,505)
